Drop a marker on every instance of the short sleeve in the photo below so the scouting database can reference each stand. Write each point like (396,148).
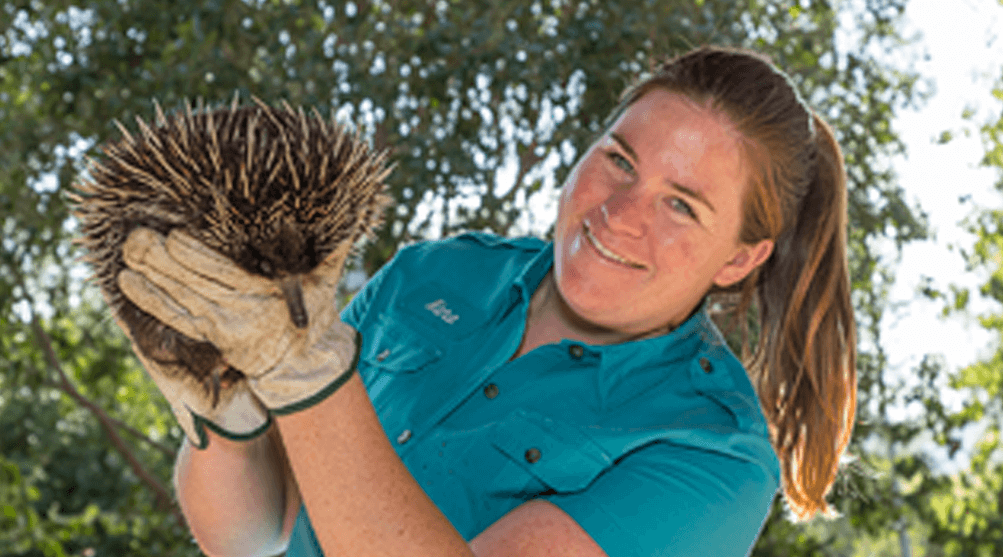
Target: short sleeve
(673,500)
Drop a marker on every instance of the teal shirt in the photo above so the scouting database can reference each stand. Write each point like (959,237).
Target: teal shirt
(655,446)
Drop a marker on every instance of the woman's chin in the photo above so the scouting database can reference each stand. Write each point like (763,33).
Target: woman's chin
(597,304)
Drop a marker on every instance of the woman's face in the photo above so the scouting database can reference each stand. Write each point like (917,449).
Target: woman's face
(649,218)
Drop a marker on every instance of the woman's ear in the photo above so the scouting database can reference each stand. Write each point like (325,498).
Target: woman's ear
(746,258)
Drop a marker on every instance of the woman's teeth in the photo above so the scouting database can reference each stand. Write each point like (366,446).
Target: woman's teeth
(606,251)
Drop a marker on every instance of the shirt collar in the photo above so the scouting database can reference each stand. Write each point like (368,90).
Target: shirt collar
(528,280)
(683,342)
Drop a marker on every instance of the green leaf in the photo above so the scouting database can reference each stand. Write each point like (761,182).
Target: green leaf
(577,57)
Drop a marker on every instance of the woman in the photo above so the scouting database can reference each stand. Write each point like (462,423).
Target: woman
(521,398)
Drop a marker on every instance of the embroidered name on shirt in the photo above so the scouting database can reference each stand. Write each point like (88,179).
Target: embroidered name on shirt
(439,308)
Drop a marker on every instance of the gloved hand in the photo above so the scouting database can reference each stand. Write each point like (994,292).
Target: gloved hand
(206,296)
(237,414)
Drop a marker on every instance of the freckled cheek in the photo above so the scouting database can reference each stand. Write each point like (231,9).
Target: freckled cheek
(685,248)
(677,257)
(585,188)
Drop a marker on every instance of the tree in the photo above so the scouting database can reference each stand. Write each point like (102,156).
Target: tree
(485,107)
(965,511)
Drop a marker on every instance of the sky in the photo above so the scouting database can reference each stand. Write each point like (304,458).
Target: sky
(964,43)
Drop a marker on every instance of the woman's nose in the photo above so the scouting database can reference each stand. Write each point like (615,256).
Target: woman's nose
(625,214)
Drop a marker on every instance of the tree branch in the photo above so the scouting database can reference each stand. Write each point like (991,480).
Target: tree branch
(163,496)
(140,436)
(165,450)
(527,160)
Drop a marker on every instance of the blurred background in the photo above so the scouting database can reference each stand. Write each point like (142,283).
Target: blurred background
(485,107)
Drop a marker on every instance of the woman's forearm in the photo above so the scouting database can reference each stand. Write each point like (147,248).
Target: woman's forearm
(238,497)
(361,498)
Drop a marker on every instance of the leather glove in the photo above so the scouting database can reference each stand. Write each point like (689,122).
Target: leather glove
(238,415)
(206,296)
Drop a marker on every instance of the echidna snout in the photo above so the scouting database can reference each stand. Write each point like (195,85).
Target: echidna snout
(272,189)
(284,256)
(292,290)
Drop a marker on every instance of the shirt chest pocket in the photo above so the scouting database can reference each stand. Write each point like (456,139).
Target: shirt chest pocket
(393,352)
(542,455)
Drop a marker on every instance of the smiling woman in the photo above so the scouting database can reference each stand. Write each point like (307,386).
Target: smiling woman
(793,207)
(714,176)
(643,232)
(517,397)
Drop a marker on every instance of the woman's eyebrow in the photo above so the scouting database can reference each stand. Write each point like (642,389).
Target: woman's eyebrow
(693,193)
(623,144)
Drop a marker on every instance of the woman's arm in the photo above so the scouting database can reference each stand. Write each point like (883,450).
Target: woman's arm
(238,497)
(363,501)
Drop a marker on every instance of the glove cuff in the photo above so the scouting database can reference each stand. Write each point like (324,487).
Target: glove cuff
(242,418)
(324,393)
(200,424)
(292,390)
(238,416)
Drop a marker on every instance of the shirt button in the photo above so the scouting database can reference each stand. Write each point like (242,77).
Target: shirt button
(403,437)
(576,351)
(705,364)
(532,455)
(491,390)
(383,355)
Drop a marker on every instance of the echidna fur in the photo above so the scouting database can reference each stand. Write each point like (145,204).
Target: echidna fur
(273,189)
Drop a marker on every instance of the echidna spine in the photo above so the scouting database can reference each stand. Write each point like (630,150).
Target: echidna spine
(161,119)
(247,183)
(148,134)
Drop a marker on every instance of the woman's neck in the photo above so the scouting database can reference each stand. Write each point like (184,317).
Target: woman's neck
(550,319)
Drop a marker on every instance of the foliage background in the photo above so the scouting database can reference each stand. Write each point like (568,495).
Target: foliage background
(485,107)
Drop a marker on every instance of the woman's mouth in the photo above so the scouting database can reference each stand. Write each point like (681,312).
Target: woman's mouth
(608,253)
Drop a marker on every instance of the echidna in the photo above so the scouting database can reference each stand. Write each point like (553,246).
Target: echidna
(274,190)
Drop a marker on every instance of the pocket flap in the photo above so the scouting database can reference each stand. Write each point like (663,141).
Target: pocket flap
(393,348)
(560,455)
(718,386)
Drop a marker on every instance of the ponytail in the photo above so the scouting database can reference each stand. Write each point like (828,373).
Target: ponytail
(804,363)
(804,367)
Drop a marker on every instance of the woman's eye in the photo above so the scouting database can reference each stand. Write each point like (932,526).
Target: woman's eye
(621,162)
(682,207)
